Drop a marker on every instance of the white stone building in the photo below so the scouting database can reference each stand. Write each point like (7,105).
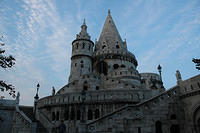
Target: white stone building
(106,93)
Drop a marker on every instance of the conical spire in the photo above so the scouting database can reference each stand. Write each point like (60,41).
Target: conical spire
(109,32)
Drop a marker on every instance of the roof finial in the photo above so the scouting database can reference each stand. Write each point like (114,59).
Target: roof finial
(84,21)
(109,11)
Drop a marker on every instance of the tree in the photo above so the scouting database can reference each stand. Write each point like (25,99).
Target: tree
(6,62)
(197,63)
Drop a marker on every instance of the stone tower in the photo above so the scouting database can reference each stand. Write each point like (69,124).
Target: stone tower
(111,57)
(82,51)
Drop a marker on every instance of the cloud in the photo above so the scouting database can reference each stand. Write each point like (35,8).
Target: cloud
(34,49)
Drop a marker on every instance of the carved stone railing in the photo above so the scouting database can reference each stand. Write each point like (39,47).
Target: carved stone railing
(166,97)
(45,121)
(23,117)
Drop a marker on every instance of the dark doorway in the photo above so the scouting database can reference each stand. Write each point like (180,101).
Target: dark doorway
(158,127)
(175,129)
(102,68)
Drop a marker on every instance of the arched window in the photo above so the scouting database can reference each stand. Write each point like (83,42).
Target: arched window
(72,114)
(158,127)
(102,67)
(78,115)
(97,114)
(115,66)
(57,115)
(77,46)
(90,115)
(66,115)
(117,46)
(53,116)
(173,117)
(83,46)
(175,129)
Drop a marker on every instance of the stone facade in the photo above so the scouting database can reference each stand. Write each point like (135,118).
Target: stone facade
(119,99)
(106,93)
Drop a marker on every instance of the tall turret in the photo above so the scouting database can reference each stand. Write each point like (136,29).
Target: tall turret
(82,50)
(111,57)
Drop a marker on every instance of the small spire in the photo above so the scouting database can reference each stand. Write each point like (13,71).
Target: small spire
(84,21)
(109,11)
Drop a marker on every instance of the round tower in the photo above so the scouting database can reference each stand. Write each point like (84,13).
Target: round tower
(82,51)
(112,58)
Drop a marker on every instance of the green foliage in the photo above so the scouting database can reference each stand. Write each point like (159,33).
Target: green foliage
(6,62)
(197,63)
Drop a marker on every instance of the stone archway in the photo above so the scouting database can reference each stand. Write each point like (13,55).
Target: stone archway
(196,119)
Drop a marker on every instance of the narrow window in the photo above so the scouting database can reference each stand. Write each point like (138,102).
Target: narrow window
(66,115)
(75,64)
(83,46)
(89,47)
(57,116)
(77,46)
(78,114)
(53,116)
(90,115)
(72,114)
(192,87)
(97,113)
(85,87)
(198,84)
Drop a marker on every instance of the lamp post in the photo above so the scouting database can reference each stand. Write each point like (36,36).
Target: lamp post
(160,72)
(83,122)
(35,101)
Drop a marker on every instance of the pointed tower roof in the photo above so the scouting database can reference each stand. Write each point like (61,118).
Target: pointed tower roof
(109,32)
(83,34)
